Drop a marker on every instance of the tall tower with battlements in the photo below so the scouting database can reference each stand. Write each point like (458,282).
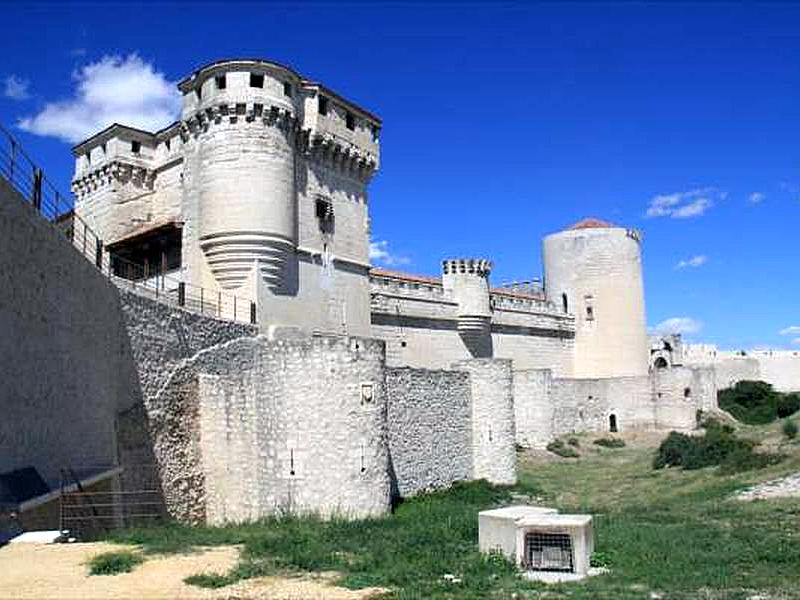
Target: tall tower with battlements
(259,190)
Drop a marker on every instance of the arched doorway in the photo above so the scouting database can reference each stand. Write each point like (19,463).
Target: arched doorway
(661,363)
(612,423)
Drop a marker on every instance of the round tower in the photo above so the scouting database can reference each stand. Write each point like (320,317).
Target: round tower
(466,280)
(593,270)
(240,171)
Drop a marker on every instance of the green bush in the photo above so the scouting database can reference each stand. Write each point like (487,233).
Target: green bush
(717,446)
(790,429)
(788,404)
(573,441)
(610,442)
(113,563)
(756,403)
(560,448)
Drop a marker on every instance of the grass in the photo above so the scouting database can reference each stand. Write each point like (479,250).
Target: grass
(667,531)
(114,563)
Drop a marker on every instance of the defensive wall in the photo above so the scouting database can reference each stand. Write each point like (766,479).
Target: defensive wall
(419,321)
(546,406)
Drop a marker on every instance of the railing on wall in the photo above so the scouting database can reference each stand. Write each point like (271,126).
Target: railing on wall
(21,172)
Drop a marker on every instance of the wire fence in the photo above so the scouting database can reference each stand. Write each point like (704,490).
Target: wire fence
(29,180)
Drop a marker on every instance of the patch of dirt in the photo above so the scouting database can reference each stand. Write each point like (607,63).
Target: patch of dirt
(34,571)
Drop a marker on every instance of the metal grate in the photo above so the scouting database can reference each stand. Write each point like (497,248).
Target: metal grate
(548,552)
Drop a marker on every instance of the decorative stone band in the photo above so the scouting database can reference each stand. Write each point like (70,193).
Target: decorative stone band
(114,170)
(328,149)
(232,255)
(478,266)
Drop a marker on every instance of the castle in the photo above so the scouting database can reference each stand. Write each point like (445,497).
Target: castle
(355,384)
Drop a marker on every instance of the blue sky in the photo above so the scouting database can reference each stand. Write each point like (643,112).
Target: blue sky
(502,122)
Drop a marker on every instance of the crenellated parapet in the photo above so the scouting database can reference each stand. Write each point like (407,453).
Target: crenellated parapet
(114,171)
(473,266)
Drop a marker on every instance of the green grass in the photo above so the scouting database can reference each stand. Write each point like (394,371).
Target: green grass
(670,531)
(114,563)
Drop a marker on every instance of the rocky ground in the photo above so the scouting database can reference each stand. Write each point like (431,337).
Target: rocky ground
(786,487)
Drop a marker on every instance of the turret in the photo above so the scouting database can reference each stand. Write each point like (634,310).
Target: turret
(466,280)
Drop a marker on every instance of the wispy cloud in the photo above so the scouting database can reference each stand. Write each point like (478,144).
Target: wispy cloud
(791,188)
(379,253)
(756,197)
(791,330)
(16,88)
(114,89)
(683,325)
(796,341)
(684,205)
(694,261)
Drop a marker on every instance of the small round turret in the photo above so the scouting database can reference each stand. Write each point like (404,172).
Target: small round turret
(467,281)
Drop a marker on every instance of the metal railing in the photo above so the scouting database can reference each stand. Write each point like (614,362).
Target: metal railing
(29,180)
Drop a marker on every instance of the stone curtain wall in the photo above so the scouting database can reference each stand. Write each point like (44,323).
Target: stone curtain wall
(533,409)
(730,370)
(430,429)
(493,451)
(65,362)
(679,392)
(163,335)
(258,427)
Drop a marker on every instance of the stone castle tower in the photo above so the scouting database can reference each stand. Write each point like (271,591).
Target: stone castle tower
(259,190)
(594,271)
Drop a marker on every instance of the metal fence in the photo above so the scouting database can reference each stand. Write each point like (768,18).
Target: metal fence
(21,172)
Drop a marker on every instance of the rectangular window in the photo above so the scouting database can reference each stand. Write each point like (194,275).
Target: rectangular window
(136,147)
(323,105)
(287,89)
(256,80)
(221,82)
(375,132)
(589,313)
(350,121)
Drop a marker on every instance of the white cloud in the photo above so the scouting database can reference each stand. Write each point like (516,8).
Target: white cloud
(756,197)
(683,325)
(796,341)
(791,330)
(694,261)
(379,252)
(114,89)
(16,88)
(684,205)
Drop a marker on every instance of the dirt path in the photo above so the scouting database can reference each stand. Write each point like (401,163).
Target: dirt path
(60,571)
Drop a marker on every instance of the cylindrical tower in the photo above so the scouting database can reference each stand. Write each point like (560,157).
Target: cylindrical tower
(466,280)
(593,270)
(243,115)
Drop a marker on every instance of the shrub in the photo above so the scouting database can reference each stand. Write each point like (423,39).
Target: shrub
(573,441)
(610,442)
(717,446)
(599,559)
(113,563)
(560,448)
(752,402)
(788,404)
(790,429)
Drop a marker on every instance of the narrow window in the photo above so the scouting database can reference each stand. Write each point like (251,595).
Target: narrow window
(324,213)
(687,393)
(256,80)
(221,82)
(589,313)
(564,303)
(612,423)
(323,105)
(403,344)
(199,91)
(287,89)
(136,147)
(168,143)
(375,132)
(350,121)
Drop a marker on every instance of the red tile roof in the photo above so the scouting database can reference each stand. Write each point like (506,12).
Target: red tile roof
(592,223)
